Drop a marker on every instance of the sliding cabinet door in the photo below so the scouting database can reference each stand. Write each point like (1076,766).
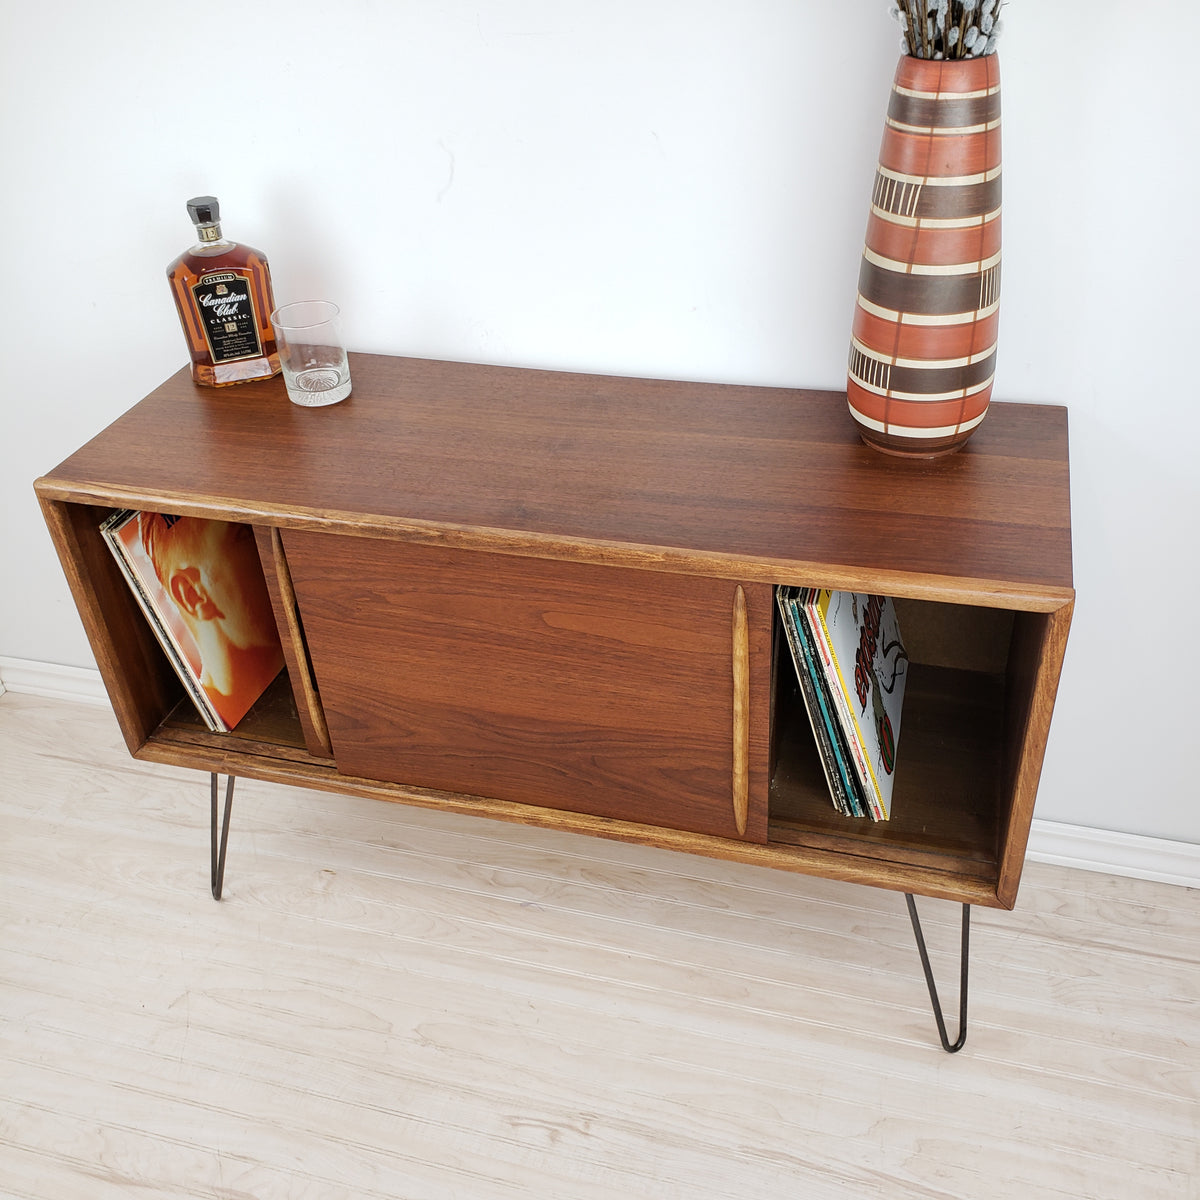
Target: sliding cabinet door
(621,693)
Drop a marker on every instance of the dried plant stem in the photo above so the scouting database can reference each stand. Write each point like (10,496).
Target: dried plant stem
(949,28)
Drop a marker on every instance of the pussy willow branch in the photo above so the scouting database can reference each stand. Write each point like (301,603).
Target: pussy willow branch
(949,28)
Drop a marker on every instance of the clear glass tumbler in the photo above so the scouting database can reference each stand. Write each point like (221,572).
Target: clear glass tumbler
(308,335)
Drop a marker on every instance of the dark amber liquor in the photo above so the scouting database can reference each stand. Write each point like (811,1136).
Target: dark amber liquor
(223,295)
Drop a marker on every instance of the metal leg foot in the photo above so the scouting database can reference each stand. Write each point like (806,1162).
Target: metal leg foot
(218,845)
(962,983)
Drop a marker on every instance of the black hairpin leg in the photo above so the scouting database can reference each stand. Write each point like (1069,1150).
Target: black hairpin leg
(218,854)
(962,982)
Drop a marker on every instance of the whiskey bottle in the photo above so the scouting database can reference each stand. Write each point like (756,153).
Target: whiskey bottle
(223,295)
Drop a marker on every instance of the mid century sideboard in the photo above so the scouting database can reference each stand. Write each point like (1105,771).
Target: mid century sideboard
(548,598)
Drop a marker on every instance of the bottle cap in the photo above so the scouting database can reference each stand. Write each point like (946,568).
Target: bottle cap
(204,210)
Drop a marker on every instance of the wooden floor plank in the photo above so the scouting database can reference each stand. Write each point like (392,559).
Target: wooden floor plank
(398,1002)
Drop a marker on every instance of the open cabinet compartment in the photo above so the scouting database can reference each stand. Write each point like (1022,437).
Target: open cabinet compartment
(147,695)
(970,746)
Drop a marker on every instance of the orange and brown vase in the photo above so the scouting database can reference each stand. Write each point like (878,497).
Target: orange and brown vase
(923,347)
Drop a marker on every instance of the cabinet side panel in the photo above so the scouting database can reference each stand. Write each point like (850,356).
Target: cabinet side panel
(572,686)
(141,684)
(1039,642)
(295,648)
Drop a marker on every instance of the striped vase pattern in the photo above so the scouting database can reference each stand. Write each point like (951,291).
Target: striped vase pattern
(923,347)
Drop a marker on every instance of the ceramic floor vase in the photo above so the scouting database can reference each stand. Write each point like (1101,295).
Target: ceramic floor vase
(923,348)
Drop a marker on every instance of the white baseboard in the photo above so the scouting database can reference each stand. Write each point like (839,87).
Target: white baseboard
(1049,841)
(48,679)
(1115,853)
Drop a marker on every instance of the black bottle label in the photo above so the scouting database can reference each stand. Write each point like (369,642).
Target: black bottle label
(226,307)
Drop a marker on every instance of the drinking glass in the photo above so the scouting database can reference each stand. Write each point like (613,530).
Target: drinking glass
(308,336)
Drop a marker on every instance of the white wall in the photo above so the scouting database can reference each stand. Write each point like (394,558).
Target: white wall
(641,186)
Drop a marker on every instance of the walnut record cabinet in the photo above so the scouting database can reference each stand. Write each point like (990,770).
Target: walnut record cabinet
(548,598)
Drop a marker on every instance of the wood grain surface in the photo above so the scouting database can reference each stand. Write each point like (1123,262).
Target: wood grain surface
(740,647)
(565,685)
(291,636)
(137,674)
(748,482)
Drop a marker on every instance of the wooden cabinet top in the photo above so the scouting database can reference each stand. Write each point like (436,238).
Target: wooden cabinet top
(745,482)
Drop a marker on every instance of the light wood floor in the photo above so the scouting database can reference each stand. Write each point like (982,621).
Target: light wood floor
(401,1004)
